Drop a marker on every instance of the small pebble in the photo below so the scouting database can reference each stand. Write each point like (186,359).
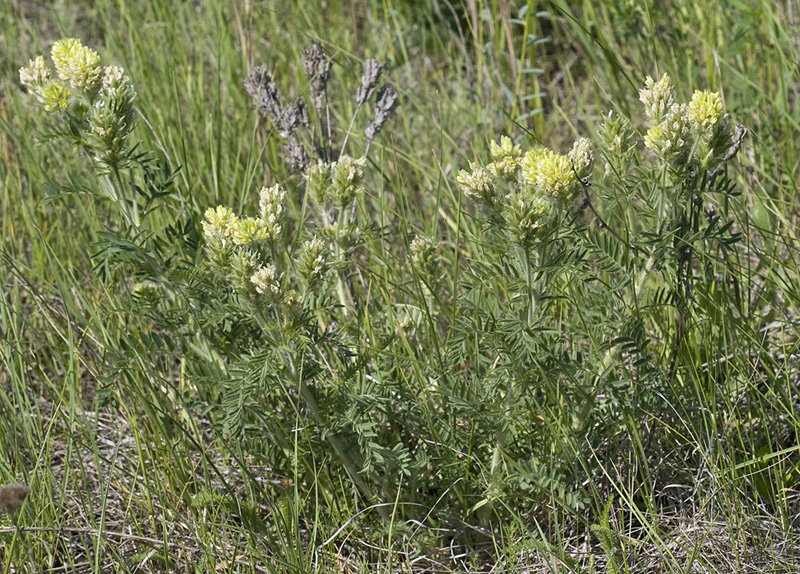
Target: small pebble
(12,496)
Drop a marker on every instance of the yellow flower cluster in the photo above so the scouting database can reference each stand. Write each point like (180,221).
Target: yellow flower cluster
(540,183)
(250,230)
(558,176)
(548,172)
(54,96)
(98,99)
(657,98)
(705,110)
(78,65)
(478,185)
(219,224)
(687,134)
(507,159)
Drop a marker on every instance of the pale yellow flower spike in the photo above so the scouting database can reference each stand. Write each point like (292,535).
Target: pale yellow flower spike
(219,223)
(54,96)
(507,158)
(35,75)
(78,65)
(657,98)
(705,110)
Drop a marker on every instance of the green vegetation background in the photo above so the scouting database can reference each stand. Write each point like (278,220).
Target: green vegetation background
(98,414)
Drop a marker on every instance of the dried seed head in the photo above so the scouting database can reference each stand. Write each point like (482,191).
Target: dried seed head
(295,155)
(264,92)
(317,67)
(385,104)
(369,80)
(12,496)
(293,117)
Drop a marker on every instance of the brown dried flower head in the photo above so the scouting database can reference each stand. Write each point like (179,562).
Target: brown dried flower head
(295,155)
(317,68)
(12,496)
(293,117)
(385,104)
(264,92)
(369,80)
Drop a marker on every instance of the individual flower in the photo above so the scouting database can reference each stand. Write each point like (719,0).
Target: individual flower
(346,176)
(479,186)
(550,174)
(581,158)
(35,76)
(704,111)
(271,205)
(671,140)
(318,181)
(313,264)
(528,215)
(219,224)
(507,158)
(267,281)
(617,142)
(78,65)
(657,98)
(54,96)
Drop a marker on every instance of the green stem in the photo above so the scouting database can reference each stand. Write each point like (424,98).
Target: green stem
(609,356)
(534,292)
(115,183)
(351,461)
(341,289)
